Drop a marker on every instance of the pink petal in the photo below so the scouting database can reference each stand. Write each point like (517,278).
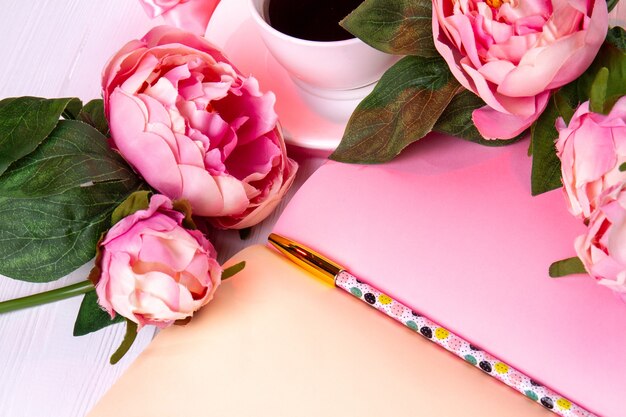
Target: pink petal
(193,15)
(496,71)
(214,162)
(140,74)
(259,108)
(165,219)
(152,311)
(147,152)
(191,88)
(157,114)
(168,249)
(594,153)
(103,283)
(462,25)
(538,68)
(614,212)
(441,44)
(163,91)
(189,152)
(200,189)
(260,212)
(160,286)
(493,124)
(233,194)
(119,64)
(198,267)
(482,88)
(121,285)
(254,158)
(177,74)
(514,49)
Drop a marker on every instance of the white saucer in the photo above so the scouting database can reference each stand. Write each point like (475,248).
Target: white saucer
(311,119)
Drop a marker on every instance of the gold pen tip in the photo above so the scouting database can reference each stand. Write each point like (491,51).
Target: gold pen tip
(278,240)
(305,257)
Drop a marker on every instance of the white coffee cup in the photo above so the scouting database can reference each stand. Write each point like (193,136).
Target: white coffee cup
(326,69)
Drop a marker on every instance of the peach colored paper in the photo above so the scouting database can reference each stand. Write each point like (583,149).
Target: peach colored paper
(277,342)
(451,230)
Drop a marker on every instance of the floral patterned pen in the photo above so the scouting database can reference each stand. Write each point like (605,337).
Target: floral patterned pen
(333,274)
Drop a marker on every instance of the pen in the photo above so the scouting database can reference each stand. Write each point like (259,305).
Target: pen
(334,274)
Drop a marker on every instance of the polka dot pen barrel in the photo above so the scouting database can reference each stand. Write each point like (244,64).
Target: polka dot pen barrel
(333,274)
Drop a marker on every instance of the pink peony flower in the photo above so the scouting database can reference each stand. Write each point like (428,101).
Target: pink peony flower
(513,53)
(591,149)
(602,249)
(153,271)
(195,128)
(191,15)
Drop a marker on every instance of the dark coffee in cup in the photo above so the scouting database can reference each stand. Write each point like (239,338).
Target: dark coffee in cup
(313,20)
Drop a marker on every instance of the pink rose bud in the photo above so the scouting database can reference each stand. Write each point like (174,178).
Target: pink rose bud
(154,271)
(197,129)
(191,15)
(603,248)
(512,53)
(591,148)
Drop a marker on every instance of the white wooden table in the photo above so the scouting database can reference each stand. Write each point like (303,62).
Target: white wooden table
(56,48)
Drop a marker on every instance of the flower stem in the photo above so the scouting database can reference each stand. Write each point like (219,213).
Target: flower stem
(46,297)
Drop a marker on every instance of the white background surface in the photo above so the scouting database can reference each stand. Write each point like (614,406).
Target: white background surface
(57,48)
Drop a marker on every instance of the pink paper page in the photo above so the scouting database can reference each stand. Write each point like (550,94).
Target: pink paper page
(450,229)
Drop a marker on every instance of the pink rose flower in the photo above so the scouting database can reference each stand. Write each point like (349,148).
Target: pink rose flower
(153,271)
(603,248)
(195,128)
(513,53)
(591,149)
(191,15)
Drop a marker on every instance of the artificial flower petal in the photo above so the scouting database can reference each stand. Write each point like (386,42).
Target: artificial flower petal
(153,271)
(193,127)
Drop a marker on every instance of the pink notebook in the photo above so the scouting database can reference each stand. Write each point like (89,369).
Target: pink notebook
(451,230)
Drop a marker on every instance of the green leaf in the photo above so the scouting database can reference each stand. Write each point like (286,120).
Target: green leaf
(129,338)
(46,234)
(566,101)
(616,36)
(183,206)
(598,91)
(139,200)
(73,109)
(567,266)
(93,115)
(404,106)
(232,270)
(546,167)
(91,317)
(610,4)
(456,120)
(74,155)
(622,167)
(603,83)
(400,27)
(611,58)
(25,122)
(43,239)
